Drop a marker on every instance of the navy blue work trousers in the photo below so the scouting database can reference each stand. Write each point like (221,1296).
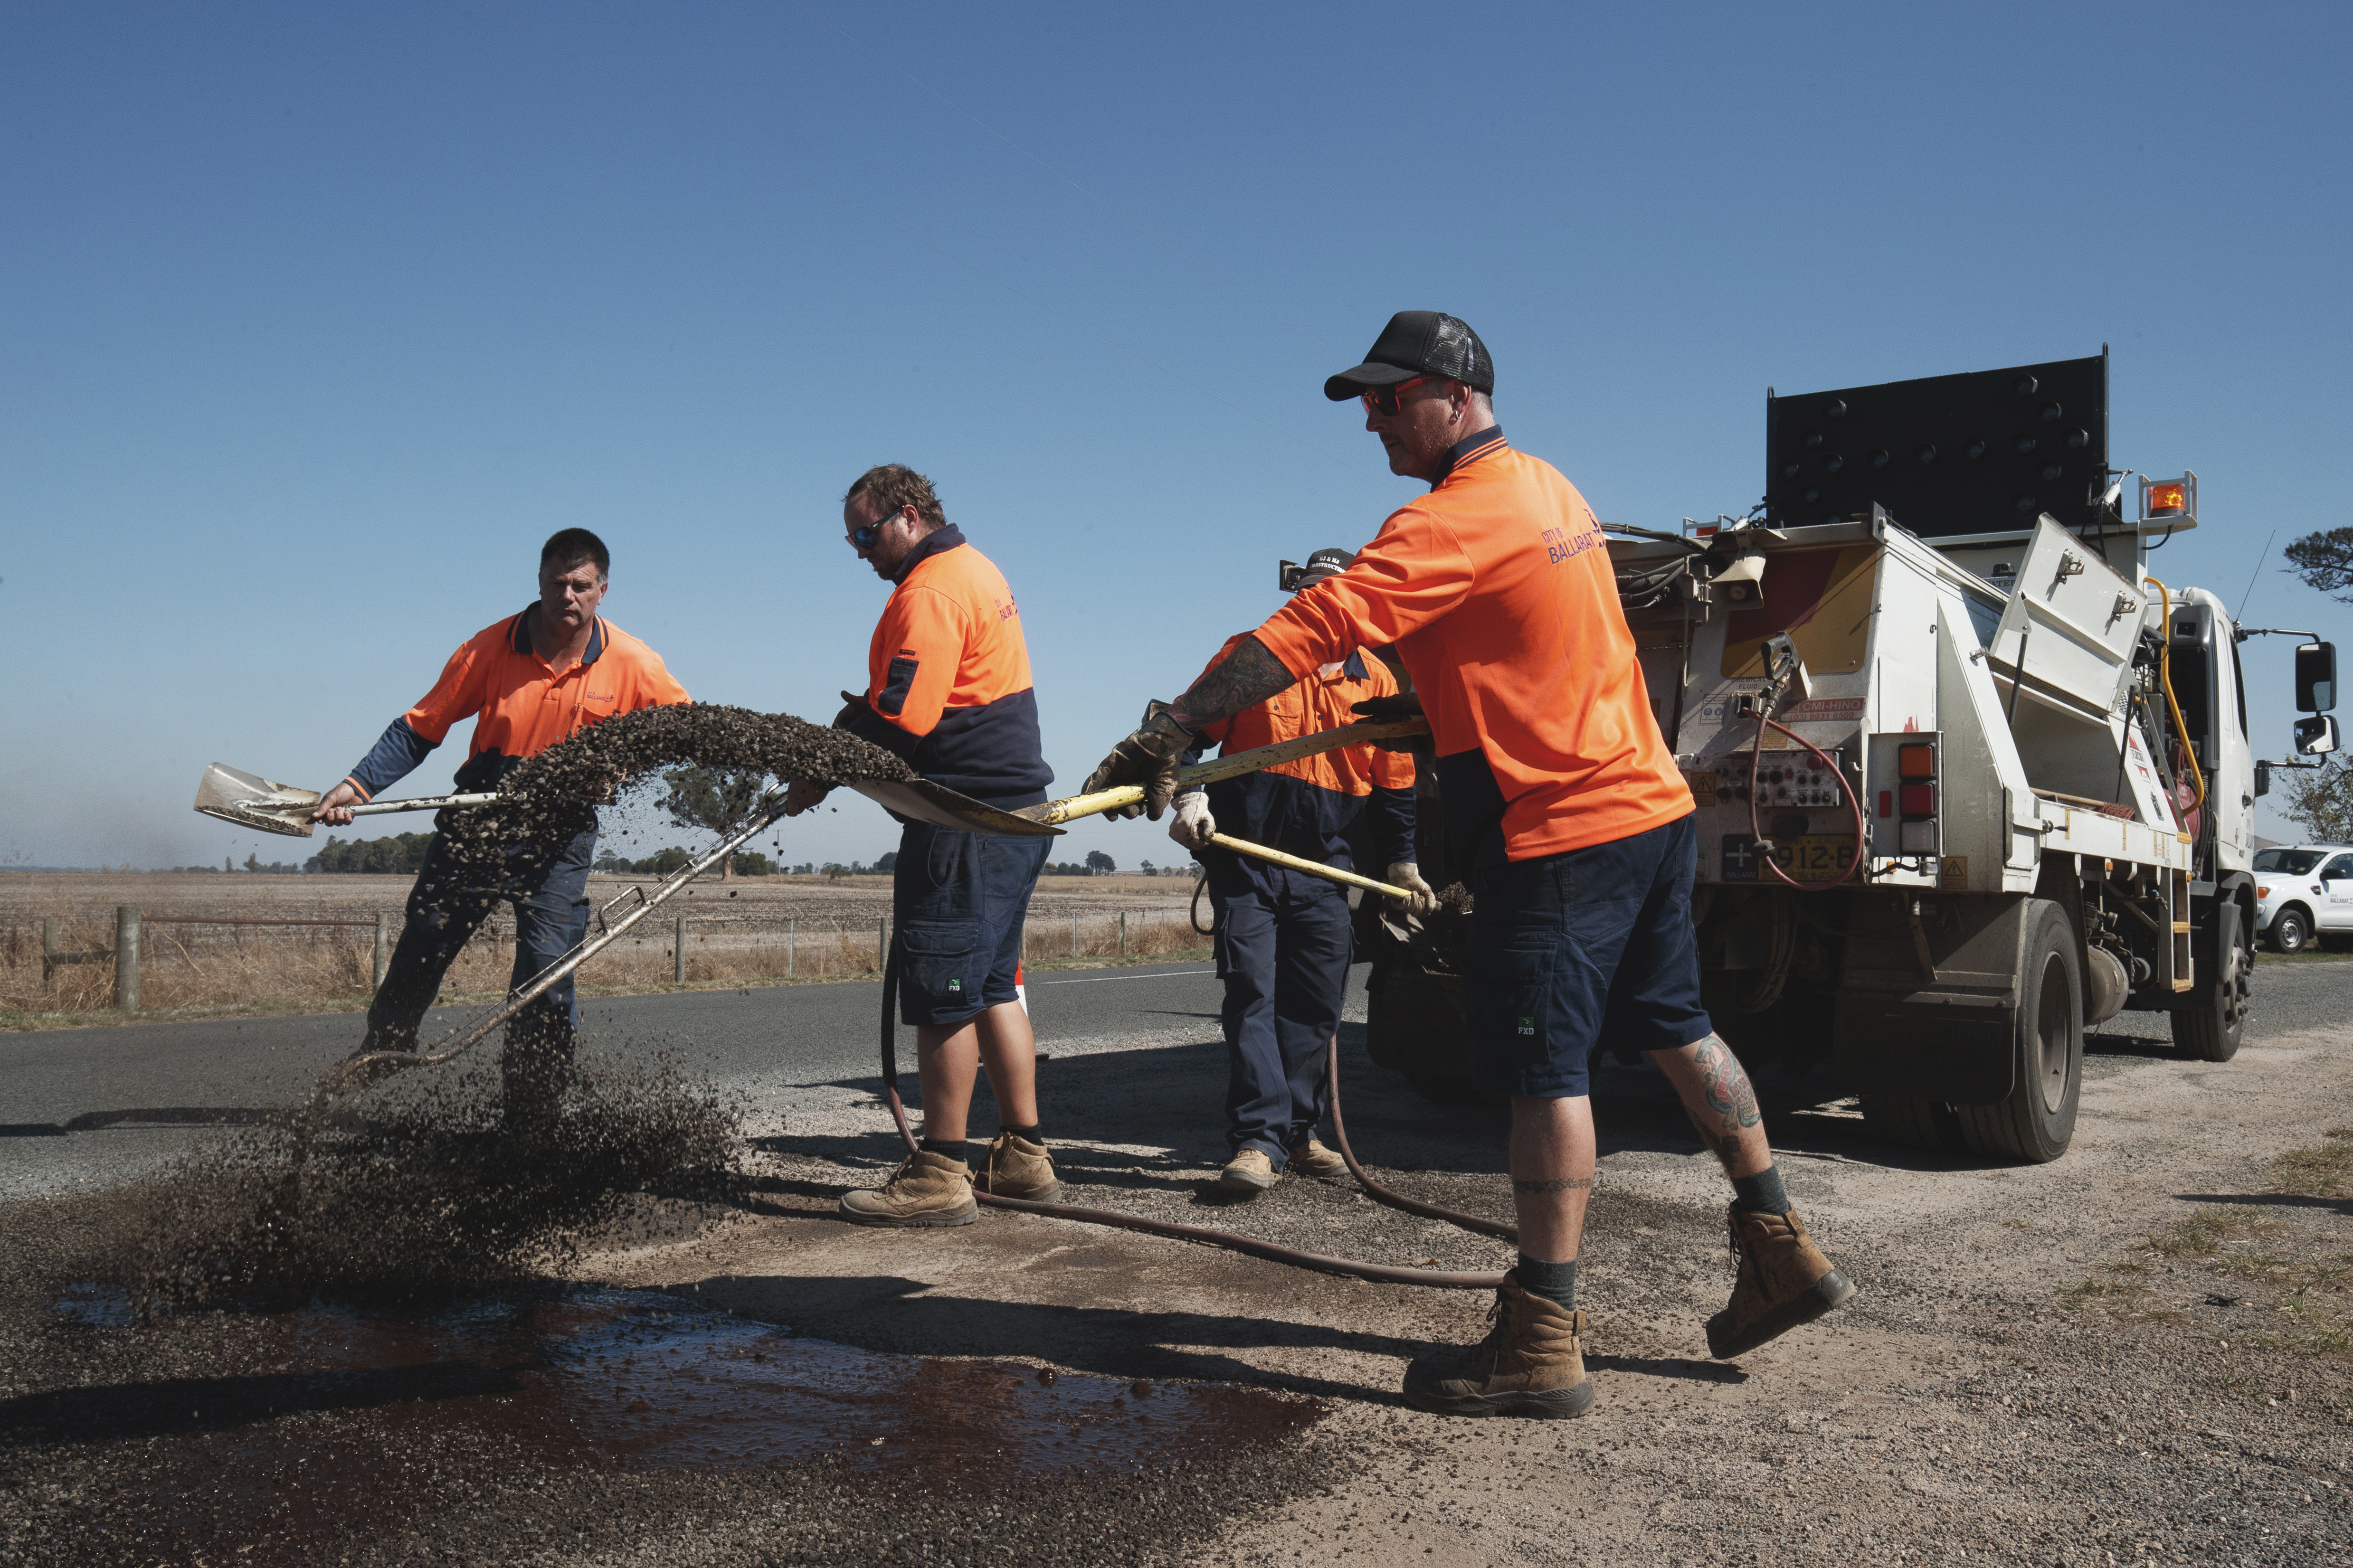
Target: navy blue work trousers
(1283,942)
(454,894)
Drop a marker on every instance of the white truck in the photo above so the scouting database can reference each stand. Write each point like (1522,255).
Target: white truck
(1970,778)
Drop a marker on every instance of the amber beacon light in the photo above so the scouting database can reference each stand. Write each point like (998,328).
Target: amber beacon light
(2171,501)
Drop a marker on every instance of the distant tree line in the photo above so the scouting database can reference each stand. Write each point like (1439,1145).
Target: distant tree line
(403,853)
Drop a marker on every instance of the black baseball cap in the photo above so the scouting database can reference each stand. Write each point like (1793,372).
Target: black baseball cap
(1418,342)
(1322,564)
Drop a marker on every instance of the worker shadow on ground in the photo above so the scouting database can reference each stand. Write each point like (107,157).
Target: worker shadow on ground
(167,1116)
(889,1314)
(2340,1206)
(172,1406)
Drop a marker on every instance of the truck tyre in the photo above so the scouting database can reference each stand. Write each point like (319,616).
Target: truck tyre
(2037,1122)
(2291,930)
(1911,1123)
(2209,1026)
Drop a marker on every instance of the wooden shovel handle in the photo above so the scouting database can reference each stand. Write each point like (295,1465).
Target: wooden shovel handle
(1312,868)
(1072,807)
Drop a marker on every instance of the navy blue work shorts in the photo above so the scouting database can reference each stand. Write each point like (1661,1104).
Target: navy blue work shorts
(1576,949)
(958,900)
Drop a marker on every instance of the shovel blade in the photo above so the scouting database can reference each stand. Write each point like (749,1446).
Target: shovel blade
(924,801)
(251,801)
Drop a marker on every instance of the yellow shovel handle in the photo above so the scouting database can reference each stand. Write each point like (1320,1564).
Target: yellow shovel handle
(1072,807)
(1312,867)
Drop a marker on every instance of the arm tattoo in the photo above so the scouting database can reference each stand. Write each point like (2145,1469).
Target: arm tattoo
(1243,678)
(1729,1093)
(1565,1185)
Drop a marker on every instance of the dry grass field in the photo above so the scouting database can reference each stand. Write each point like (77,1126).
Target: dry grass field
(195,958)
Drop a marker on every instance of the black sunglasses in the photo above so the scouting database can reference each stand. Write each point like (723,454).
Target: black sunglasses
(864,536)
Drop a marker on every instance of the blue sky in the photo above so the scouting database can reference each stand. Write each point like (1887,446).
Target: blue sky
(320,318)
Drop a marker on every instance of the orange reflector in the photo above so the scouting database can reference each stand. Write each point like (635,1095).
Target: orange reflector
(1919,800)
(1916,761)
(2168,499)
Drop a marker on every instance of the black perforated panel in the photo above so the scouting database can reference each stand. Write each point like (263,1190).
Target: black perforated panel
(1946,455)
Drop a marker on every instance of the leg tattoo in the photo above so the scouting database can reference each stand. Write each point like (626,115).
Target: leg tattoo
(1727,1088)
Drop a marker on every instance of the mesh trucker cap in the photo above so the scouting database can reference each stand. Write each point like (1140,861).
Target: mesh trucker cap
(1418,342)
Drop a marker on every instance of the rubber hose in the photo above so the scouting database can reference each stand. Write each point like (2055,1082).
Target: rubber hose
(1384,1273)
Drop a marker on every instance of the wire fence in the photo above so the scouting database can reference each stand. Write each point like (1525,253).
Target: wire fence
(86,963)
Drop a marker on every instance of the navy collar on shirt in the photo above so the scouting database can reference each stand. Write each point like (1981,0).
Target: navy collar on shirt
(1467,448)
(520,635)
(945,537)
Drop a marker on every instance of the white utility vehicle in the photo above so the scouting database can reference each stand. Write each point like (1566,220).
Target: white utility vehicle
(1970,778)
(2304,893)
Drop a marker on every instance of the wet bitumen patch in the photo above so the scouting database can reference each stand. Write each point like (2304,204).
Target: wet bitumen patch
(253,1460)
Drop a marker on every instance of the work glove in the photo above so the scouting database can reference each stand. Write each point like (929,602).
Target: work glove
(853,703)
(1193,826)
(1397,705)
(1148,757)
(1406,874)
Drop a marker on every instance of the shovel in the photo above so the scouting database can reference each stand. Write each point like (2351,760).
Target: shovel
(251,801)
(1071,808)
(1312,868)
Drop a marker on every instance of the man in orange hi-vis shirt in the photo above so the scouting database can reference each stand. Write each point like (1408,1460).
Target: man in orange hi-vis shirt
(1284,939)
(948,688)
(529,681)
(1565,807)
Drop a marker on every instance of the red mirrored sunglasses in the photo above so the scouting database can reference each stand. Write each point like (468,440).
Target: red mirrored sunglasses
(1383,399)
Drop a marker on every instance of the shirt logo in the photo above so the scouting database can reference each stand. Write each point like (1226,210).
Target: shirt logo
(1527,1026)
(1561,545)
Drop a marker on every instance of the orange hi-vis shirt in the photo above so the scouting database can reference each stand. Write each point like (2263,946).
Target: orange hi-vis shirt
(947,677)
(522,705)
(1496,590)
(1305,805)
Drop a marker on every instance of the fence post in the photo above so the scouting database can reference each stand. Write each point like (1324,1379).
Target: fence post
(678,952)
(1075,936)
(1122,933)
(49,950)
(383,932)
(882,943)
(792,942)
(126,957)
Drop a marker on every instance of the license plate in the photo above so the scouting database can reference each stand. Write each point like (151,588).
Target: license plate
(1814,858)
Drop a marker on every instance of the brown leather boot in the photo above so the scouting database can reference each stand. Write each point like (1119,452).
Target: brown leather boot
(1530,1364)
(1015,1167)
(929,1190)
(1312,1159)
(1784,1280)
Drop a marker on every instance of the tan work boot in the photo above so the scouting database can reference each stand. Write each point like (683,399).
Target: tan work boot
(1312,1159)
(1530,1364)
(928,1190)
(1015,1167)
(1249,1172)
(1784,1280)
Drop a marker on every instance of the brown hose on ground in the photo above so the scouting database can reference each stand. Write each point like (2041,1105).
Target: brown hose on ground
(1382,1195)
(1382,1272)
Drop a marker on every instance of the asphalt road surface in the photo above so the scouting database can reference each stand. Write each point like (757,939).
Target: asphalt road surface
(82,1107)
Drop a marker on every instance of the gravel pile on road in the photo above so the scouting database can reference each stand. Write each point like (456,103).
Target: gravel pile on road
(555,795)
(422,1196)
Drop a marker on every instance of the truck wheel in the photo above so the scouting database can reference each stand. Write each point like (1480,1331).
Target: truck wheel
(1911,1123)
(2208,1029)
(2290,932)
(2037,1122)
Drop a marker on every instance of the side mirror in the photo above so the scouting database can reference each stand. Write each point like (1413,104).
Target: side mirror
(2316,677)
(2317,737)
(2263,780)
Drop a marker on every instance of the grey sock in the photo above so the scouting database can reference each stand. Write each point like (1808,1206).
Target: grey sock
(1762,1193)
(1553,1281)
